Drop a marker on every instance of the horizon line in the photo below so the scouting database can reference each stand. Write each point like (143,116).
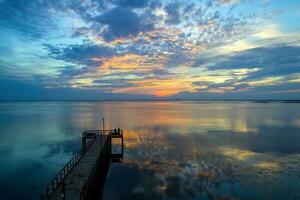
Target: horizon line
(155,100)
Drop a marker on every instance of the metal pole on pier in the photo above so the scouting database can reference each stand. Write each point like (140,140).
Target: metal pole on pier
(103,124)
(103,128)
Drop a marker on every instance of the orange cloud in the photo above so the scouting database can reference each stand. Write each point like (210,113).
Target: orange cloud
(128,62)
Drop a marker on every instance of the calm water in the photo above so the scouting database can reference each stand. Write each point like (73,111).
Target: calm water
(173,150)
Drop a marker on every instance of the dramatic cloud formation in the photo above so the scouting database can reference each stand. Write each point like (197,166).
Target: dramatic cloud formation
(149,49)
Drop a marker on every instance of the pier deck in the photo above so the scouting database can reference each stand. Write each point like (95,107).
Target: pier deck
(83,175)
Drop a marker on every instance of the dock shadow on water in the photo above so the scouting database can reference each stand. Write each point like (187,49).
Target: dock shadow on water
(172,150)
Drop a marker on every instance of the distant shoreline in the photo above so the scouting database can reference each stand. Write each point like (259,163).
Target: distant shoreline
(113,100)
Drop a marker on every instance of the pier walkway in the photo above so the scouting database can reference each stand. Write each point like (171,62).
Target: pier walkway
(82,177)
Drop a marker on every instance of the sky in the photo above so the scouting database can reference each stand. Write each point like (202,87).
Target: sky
(149,49)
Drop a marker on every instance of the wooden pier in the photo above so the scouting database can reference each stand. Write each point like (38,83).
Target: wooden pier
(84,175)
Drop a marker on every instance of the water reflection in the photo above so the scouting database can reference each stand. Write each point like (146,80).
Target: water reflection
(185,168)
(173,150)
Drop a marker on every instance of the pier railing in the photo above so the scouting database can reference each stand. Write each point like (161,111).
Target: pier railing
(58,179)
(99,169)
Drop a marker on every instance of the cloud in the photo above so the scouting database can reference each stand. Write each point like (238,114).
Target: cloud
(284,91)
(226,2)
(23,16)
(70,72)
(80,54)
(256,72)
(279,60)
(22,90)
(122,22)
(173,12)
(133,3)
(158,87)
(114,83)
(270,31)
(150,47)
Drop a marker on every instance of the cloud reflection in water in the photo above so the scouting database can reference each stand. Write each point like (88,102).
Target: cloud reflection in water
(173,150)
(183,160)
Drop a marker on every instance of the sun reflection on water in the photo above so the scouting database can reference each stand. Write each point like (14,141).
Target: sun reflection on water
(173,150)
